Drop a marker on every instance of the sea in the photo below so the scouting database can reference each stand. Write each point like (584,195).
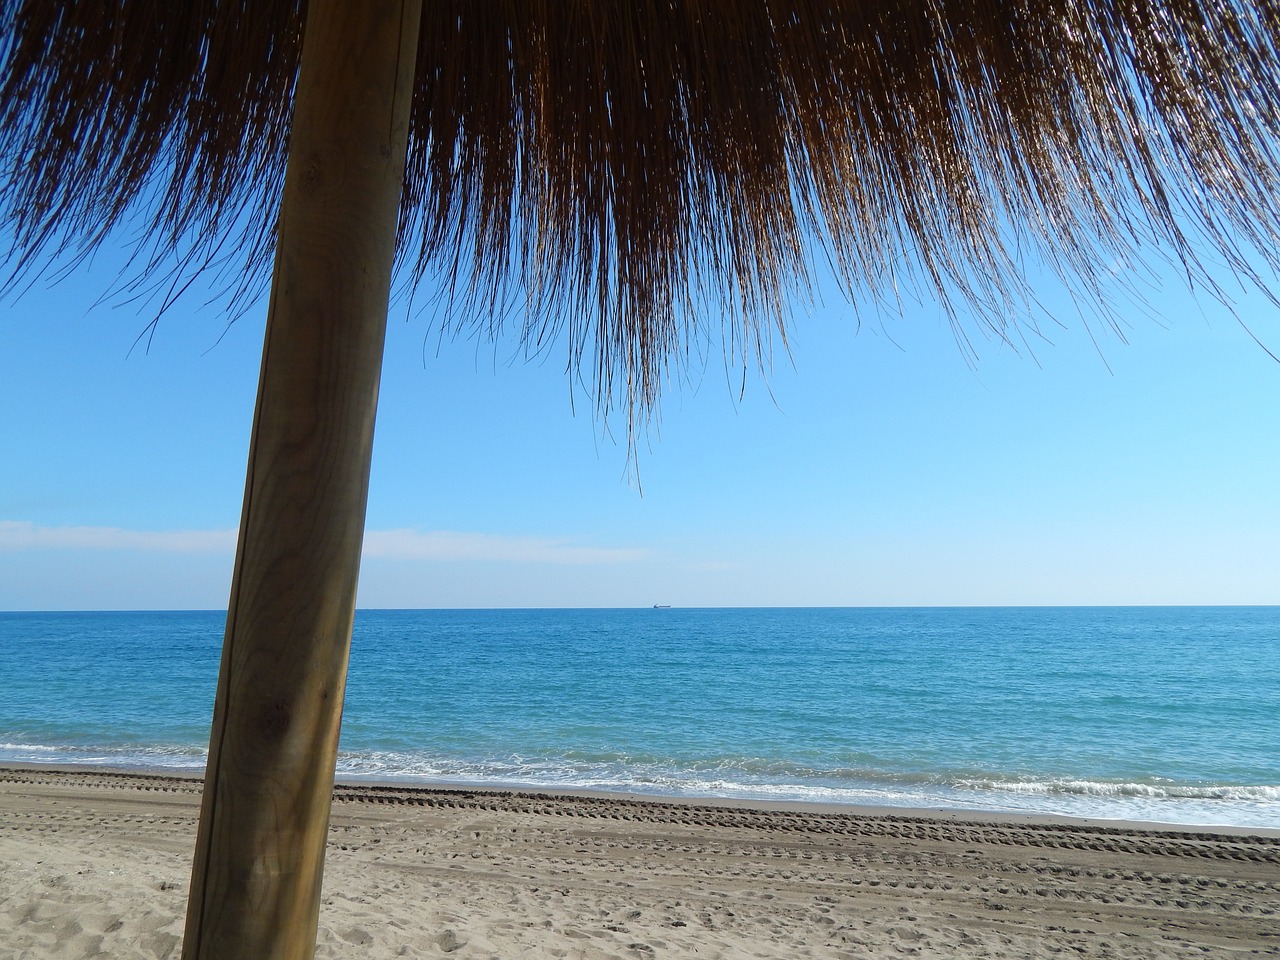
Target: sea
(1159,714)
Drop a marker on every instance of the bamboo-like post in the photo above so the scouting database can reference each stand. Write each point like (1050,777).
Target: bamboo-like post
(255,891)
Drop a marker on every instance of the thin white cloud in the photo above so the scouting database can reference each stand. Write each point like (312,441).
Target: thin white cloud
(449,545)
(24,535)
(404,544)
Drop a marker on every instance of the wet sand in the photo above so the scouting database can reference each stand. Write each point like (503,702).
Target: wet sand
(99,863)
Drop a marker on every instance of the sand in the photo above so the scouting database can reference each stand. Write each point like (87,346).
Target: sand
(98,864)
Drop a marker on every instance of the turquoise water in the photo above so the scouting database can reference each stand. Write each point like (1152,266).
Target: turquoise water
(1165,714)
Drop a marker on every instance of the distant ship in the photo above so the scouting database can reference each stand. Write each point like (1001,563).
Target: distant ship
(662,606)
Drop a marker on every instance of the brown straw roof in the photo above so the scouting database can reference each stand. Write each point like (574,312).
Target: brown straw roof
(623,171)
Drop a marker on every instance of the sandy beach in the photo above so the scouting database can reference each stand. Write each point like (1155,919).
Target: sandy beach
(98,864)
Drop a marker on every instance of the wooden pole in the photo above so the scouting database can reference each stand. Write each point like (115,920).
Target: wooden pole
(255,890)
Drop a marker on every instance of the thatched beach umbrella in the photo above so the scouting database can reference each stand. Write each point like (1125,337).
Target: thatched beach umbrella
(614,173)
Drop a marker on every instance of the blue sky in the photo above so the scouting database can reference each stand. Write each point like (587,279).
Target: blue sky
(876,465)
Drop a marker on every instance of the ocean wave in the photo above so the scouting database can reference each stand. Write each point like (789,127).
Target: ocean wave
(759,779)
(30,747)
(1204,804)
(146,756)
(1252,793)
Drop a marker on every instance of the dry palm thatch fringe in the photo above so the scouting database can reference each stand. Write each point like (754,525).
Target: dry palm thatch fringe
(620,172)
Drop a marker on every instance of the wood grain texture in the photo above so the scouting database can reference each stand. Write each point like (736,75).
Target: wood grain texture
(260,850)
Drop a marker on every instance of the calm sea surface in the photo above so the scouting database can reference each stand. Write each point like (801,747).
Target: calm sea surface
(1165,714)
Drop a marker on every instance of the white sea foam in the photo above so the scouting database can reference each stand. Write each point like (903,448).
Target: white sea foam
(1260,793)
(29,748)
(176,757)
(1206,805)
(1239,805)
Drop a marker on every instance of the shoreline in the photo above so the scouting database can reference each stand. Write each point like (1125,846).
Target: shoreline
(99,862)
(391,787)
